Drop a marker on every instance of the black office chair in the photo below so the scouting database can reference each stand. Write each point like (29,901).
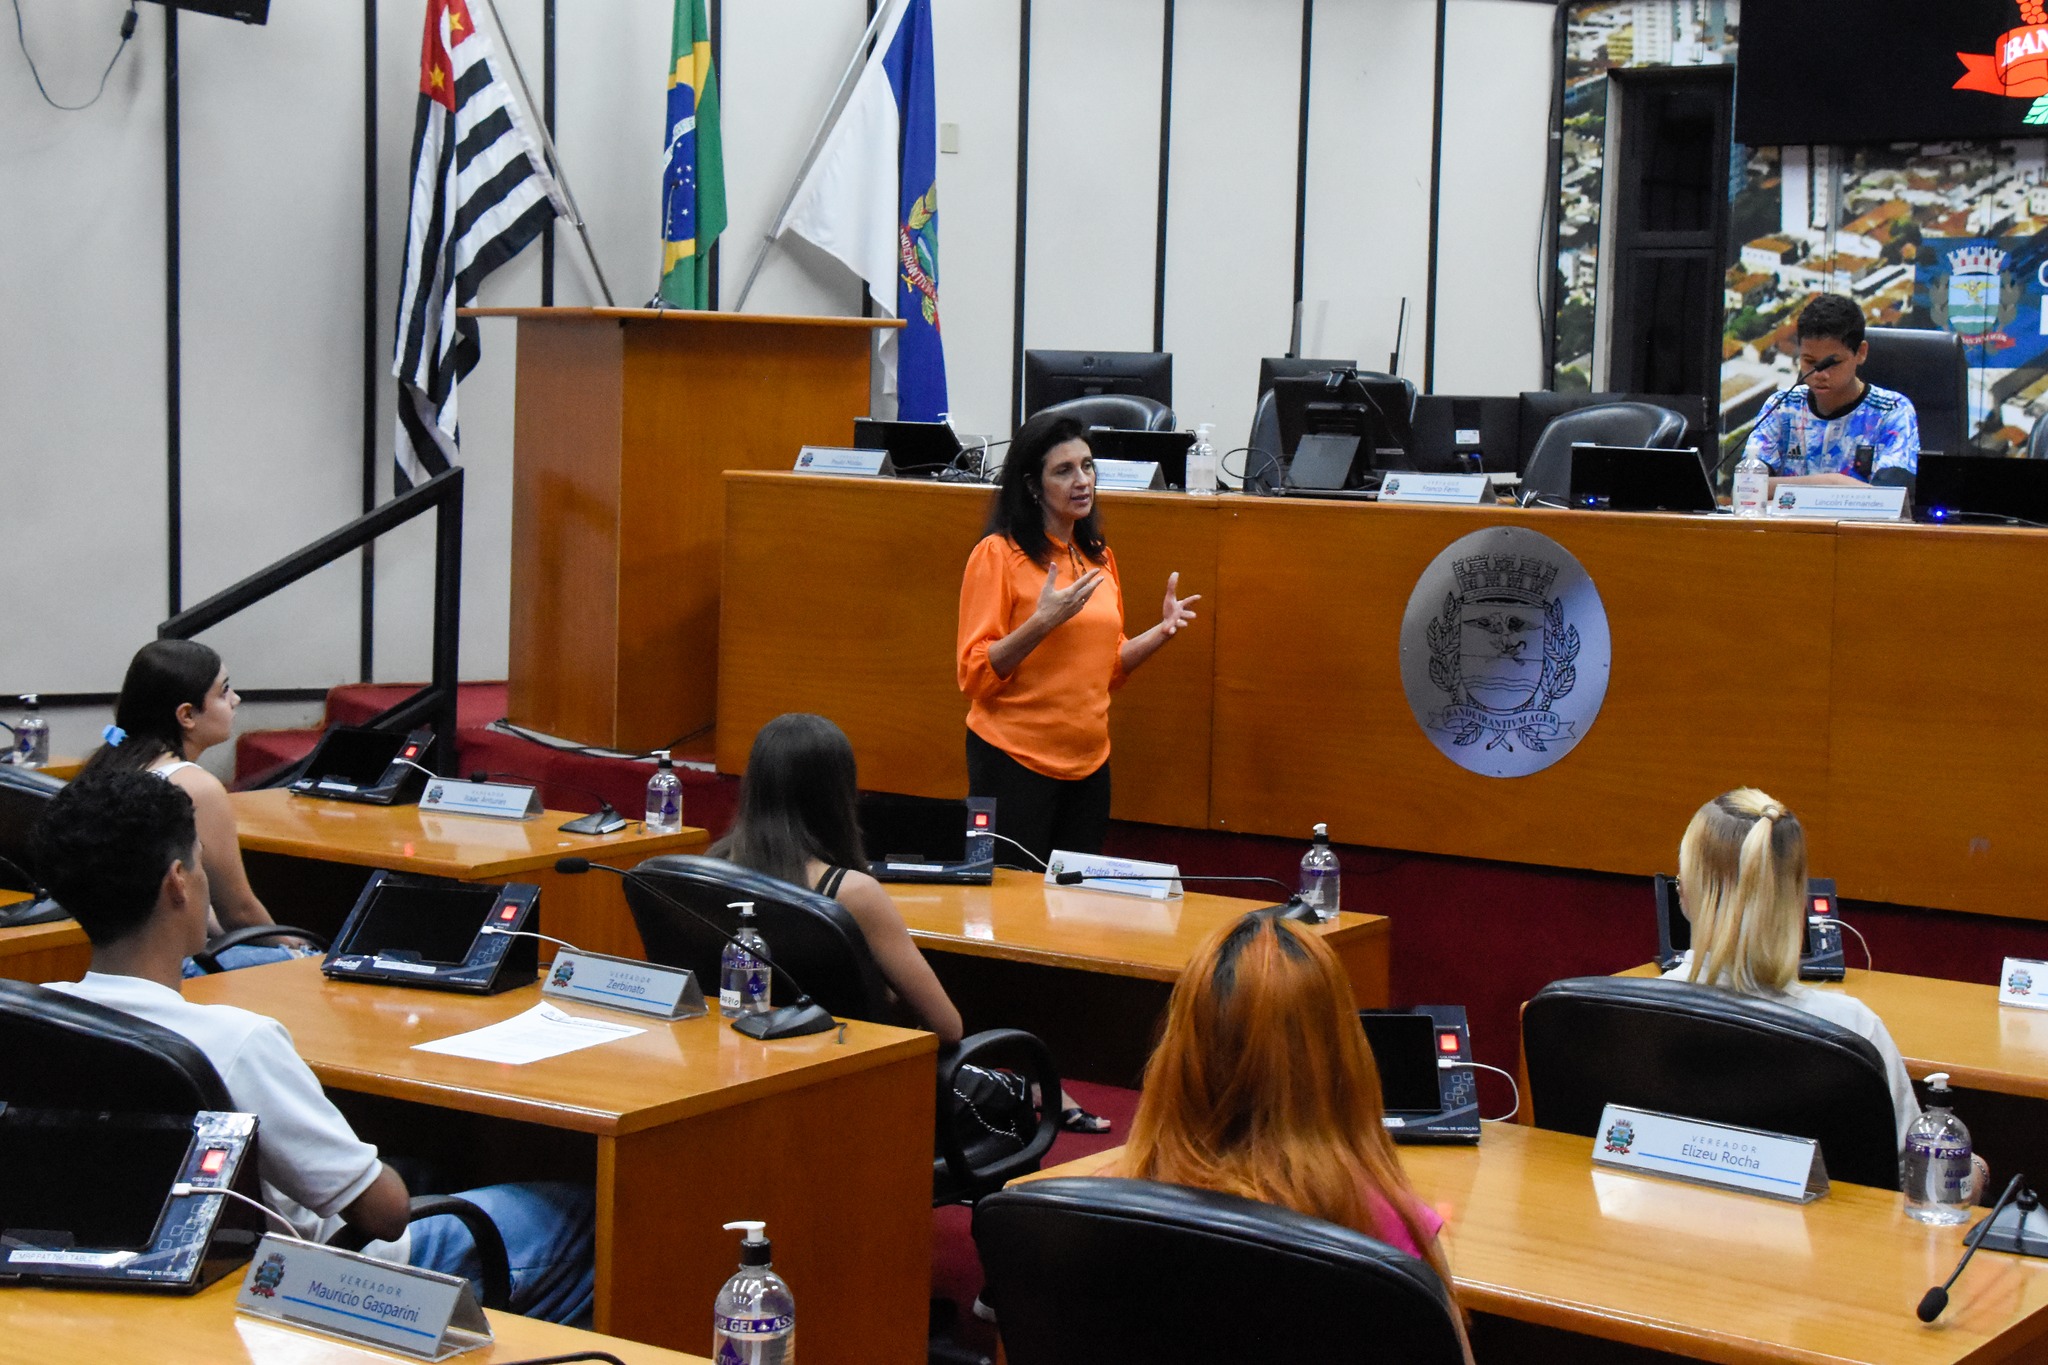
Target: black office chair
(1119,411)
(1646,425)
(1931,366)
(60,1052)
(24,793)
(1265,463)
(1081,1271)
(1679,1048)
(813,937)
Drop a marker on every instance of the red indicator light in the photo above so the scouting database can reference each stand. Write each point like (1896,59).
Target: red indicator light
(510,912)
(1820,905)
(981,820)
(214,1161)
(412,751)
(1447,1042)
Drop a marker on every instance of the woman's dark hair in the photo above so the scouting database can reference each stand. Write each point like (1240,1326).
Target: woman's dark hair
(799,800)
(1015,512)
(163,675)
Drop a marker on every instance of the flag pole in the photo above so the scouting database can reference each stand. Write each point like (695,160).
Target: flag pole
(832,112)
(554,158)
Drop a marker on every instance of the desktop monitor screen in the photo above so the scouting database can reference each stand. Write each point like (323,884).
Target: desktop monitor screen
(1373,409)
(1056,376)
(99,1180)
(1275,367)
(1887,71)
(1404,1046)
(437,921)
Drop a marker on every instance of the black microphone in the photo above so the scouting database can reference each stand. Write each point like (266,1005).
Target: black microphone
(1936,1299)
(1295,907)
(22,878)
(1777,398)
(603,820)
(37,909)
(805,1016)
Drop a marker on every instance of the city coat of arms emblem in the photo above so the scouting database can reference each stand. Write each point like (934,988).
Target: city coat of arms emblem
(1504,652)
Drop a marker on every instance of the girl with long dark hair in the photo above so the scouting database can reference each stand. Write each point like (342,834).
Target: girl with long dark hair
(176,703)
(799,820)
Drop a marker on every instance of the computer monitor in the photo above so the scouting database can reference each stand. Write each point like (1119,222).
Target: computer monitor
(1959,487)
(916,448)
(1056,376)
(1637,479)
(1295,367)
(1344,403)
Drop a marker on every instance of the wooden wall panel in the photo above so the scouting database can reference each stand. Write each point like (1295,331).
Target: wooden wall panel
(842,596)
(1713,685)
(1939,797)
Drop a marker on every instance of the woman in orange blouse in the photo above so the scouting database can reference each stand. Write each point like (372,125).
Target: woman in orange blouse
(1041,649)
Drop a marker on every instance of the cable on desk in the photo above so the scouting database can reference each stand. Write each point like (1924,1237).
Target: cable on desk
(1482,1066)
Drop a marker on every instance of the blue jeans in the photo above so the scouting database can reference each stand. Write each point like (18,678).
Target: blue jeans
(549,1230)
(248,955)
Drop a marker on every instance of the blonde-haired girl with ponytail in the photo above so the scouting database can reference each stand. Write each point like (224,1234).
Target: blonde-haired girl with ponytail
(1742,883)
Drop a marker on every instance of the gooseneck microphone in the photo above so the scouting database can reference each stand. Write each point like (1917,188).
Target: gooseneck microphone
(1294,908)
(1776,399)
(1936,1299)
(603,820)
(804,1016)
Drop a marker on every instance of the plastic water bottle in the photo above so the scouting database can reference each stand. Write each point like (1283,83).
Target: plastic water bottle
(664,798)
(1752,486)
(1202,462)
(32,734)
(753,1321)
(1319,876)
(743,977)
(1935,1171)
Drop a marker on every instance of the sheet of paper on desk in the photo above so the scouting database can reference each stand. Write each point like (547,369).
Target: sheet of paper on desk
(541,1032)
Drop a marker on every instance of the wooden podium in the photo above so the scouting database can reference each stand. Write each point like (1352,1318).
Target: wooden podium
(625,421)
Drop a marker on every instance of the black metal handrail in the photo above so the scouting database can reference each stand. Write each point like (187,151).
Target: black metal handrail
(433,704)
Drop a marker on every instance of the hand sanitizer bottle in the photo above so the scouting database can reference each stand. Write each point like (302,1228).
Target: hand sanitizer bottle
(1319,876)
(1935,1170)
(753,1321)
(1752,486)
(664,797)
(743,976)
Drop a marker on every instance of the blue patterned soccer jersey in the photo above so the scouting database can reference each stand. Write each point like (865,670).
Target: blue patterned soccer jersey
(1795,439)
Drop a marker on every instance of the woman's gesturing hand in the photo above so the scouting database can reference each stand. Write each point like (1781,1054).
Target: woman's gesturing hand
(1057,605)
(1175,614)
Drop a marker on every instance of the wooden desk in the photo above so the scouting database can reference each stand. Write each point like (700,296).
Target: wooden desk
(58,951)
(66,768)
(695,1126)
(1536,1234)
(305,854)
(1089,971)
(1284,706)
(106,1329)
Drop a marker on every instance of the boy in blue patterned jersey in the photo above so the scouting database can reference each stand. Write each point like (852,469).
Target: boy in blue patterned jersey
(1810,435)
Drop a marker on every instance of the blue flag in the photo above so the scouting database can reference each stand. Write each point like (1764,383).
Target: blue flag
(871,199)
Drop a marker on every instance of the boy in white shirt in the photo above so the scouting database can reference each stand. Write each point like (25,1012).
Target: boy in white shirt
(120,851)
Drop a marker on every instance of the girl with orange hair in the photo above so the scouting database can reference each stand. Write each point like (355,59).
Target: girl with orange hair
(1263,1086)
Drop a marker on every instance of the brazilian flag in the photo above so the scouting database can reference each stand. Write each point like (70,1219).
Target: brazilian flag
(693,184)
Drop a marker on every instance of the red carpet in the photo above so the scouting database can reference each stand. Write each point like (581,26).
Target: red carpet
(566,780)
(956,1270)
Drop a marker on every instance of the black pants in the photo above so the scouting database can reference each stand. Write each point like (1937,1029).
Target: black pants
(1042,813)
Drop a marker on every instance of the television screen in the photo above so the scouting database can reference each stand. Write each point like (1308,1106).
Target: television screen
(1817,71)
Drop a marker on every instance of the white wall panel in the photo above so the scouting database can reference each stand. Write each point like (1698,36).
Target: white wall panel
(1230,209)
(1497,93)
(975,42)
(782,62)
(1371,86)
(81,350)
(1092,217)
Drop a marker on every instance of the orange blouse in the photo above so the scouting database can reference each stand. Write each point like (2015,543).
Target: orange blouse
(1052,713)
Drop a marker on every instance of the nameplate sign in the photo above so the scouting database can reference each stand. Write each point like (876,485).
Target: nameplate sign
(1465,489)
(1129,475)
(422,1313)
(499,800)
(1838,502)
(866,464)
(621,983)
(2023,982)
(1702,1153)
(1099,873)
